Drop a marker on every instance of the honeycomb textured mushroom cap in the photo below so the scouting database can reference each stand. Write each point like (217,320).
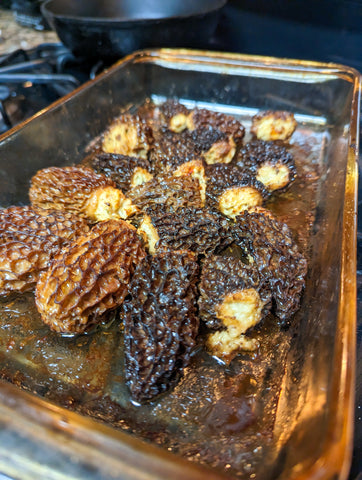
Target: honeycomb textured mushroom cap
(89,278)
(29,239)
(161,322)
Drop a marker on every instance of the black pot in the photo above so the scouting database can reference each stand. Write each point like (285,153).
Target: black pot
(111,29)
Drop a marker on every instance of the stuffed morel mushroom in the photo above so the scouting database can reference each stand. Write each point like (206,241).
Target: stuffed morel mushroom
(273,125)
(128,135)
(160,322)
(194,229)
(230,190)
(174,115)
(270,244)
(81,191)
(214,145)
(204,118)
(269,162)
(169,191)
(195,169)
(232,299)
(125,171)
(170,149)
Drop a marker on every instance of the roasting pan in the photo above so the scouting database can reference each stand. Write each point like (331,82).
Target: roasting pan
(64,409)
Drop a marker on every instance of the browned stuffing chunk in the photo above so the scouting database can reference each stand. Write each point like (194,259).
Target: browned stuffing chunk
(161,322)
(89,278)
(28,241)
(276,256)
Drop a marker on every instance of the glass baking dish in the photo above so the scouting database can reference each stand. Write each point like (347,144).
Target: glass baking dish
(66,398)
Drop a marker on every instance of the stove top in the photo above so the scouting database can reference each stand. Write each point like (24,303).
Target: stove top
(32,79)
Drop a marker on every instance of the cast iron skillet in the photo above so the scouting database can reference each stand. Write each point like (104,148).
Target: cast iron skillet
(113,28)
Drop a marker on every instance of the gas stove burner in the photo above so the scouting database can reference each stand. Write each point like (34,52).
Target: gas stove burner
(32,79)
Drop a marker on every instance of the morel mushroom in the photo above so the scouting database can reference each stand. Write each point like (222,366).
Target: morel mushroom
(269,162)
(196,169)
(214,145)
(28,241)
(123,170)
(207,119)
(273,125)
(233,298)
(194,229)
(89,278)
(160,322)
(174,115)
(169,191)
(80,191)
(231,190)
(170,149)
(128,135)
(270,244)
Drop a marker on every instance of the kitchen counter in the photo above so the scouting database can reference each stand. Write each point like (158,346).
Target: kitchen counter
(14,36)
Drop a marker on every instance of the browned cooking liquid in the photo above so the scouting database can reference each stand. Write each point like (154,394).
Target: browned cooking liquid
(218,415)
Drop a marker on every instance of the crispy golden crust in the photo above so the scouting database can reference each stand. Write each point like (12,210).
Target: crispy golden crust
(273,125)
(89,278)
(28,241)
(161,323)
